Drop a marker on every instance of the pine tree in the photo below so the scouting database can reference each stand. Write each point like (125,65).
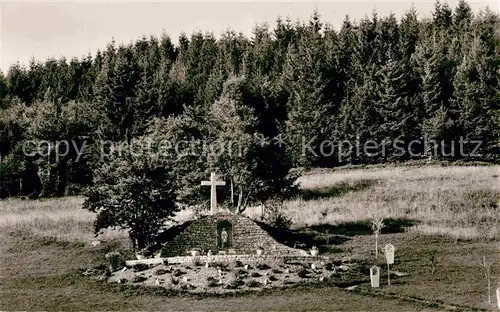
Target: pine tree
(477,91)
(119,106)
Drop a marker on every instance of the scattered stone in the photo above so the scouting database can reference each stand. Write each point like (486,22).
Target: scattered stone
(399,274)
(255,274)
(303,273)
(140,256)
(178,272)
(352,287)
(92,272)
(140,267)
(344,267)
(96,243)
(174,280)
(160,272)
(187,286)
(101,278)
(277,271)
(212,282)
(235,284)
(240,272)
(332,276)
(185,279)
(253,284)
(124,269)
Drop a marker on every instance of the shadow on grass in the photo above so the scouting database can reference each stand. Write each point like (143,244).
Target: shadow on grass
(305,239)
(326,236)
(337,190)
(363,227)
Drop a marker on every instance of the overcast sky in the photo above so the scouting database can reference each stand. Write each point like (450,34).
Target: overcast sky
(75,28)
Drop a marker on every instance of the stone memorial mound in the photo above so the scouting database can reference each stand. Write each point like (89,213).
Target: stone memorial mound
(222,233)
(222,252)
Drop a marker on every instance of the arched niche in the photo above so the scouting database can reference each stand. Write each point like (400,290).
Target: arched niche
(224,234)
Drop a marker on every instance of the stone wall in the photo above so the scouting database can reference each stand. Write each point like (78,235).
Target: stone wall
(246,236)
(250,258)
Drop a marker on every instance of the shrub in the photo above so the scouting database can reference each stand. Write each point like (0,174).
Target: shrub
(221,265)
(115,260)
(274,215)
(133,192)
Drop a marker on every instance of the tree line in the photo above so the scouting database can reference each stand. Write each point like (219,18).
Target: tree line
(377,79)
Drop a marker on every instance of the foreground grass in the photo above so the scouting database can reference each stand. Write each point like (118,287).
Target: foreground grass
(44,275)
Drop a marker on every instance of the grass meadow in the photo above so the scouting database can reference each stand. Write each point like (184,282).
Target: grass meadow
(460,202)
(447,219)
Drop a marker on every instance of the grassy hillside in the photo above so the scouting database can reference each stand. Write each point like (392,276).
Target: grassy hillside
(462,202)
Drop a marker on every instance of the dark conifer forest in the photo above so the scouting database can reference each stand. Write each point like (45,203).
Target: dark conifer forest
(302,86)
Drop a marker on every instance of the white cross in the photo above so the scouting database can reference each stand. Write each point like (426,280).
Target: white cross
(213,183)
